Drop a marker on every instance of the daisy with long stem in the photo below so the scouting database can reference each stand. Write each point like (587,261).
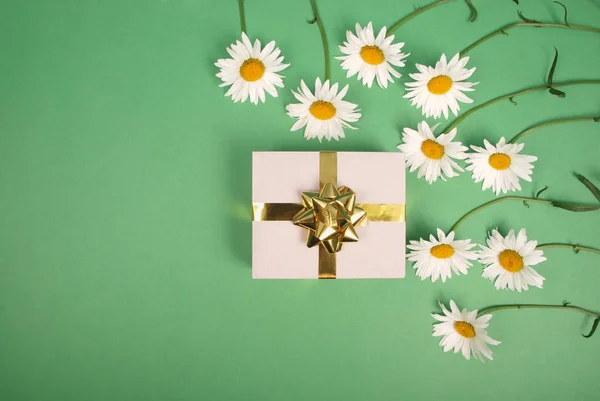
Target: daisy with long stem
(513,95)
(371,57)
(324,113)
(508,260)
(252,70)
(500,167)
(551,86)
(467,331)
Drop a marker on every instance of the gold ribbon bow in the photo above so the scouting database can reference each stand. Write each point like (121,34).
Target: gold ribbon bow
(330,216)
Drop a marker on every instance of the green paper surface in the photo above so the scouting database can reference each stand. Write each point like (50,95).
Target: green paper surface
(125,191)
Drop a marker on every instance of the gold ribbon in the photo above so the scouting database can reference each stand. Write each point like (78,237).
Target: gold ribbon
(286,211)
(329,215)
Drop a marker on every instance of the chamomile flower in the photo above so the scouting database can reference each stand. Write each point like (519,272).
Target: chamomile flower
(509,259)
(440,257)
(464,331)
(251,71)
(434,90)
(434,157)
(324,114)
(371,57)
(500,166)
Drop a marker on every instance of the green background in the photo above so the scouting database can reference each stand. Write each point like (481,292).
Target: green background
(125,240)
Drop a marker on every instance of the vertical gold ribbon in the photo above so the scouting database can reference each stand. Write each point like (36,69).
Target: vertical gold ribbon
(327,173)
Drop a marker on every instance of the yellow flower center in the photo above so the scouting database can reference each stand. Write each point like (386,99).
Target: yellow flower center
(465,329)
(510,260)
(499,161)
(322,110)
(440,84)
(442,251)
(432,149)
(372,55)
(252,70)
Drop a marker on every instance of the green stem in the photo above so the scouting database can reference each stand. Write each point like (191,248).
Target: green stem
(550,123)
(515,94)
(530,24)
(242,16)
(414,14)
(492,309)
(490,203)
(575,247)
(317,19)
(573,207)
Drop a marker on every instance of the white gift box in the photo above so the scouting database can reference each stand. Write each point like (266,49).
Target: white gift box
(279,249)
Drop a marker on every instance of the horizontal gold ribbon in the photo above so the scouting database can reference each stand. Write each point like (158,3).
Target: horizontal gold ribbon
(380,212)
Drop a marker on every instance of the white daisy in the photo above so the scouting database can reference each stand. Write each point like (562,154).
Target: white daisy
(437,89)
(500,166)
(251,71)
(325,114)
(439,258)
(464,331)
(508,261)
(371,57)
(432,156)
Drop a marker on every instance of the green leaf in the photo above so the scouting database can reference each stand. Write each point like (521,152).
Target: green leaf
(597,119)
(540,192)
(473,10)
(594,326)
(557,93)
(553,68)
(588,184)
(565,8)
(516,2)
(572,207)
(529,21)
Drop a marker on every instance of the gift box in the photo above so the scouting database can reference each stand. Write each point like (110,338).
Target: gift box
(328,215)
